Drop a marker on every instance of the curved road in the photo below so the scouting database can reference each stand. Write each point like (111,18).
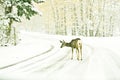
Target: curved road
(53,59)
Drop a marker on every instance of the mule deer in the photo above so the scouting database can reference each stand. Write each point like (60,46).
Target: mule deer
(74,44)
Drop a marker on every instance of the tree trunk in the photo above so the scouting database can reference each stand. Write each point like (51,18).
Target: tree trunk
(54,13)
(8,32)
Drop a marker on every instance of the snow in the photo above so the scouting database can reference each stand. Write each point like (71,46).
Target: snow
(39,57)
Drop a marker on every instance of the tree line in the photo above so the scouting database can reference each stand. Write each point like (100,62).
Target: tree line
(84,17)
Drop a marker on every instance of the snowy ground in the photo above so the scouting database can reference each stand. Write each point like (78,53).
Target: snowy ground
(39,57)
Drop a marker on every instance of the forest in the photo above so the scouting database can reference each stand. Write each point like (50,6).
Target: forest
(82,17)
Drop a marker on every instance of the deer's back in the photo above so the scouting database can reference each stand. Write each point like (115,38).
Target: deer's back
(76,43)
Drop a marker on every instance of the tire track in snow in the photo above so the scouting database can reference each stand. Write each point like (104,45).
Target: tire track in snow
(43,64)
(54,65)
(14,65)
(7,66)
(24,67)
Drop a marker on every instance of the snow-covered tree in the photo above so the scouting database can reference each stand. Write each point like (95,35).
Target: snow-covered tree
(12,10)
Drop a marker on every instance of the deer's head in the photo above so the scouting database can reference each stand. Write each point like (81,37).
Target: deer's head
(63,43)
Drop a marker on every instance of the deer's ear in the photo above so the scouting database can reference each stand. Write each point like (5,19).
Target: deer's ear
(61,41)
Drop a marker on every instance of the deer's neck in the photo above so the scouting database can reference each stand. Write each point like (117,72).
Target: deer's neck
(68,44)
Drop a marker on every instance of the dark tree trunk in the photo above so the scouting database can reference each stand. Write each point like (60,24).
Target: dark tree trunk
(8,32)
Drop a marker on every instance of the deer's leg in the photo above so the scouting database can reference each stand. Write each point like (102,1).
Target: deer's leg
(78,54)
(81,51)
(72,54)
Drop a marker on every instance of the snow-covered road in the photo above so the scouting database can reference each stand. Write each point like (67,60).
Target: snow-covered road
(53,62)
